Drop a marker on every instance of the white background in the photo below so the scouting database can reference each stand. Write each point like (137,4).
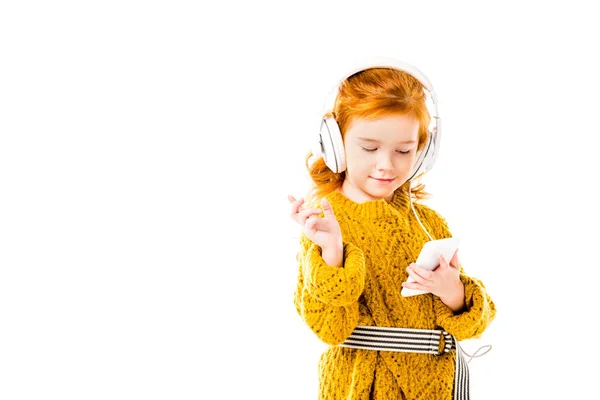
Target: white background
(147,149)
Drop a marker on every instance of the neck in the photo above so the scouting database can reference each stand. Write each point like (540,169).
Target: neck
(357,195)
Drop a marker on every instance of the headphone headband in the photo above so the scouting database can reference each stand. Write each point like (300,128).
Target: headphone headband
(383,62)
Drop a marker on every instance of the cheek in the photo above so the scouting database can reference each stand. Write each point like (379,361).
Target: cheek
(359,167)
(356,159)
(411,158)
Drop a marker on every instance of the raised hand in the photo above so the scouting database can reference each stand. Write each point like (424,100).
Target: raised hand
(323,231)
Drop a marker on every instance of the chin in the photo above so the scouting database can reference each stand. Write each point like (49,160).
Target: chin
(380,194)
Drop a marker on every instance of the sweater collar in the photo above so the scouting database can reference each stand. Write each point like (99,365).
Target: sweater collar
(372,209)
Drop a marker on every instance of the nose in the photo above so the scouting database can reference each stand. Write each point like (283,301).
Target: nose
(384,161)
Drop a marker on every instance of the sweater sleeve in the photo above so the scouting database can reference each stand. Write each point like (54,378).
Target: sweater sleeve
(326,297)
(478,313)
(479,309)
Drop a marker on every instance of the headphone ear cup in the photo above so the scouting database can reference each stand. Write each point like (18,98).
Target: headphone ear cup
(431,151)
(332,145)
(425,159)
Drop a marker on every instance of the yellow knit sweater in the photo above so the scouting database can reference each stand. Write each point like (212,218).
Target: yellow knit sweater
(380,240)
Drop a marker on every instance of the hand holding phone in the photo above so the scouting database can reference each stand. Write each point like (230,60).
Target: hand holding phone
(429,258)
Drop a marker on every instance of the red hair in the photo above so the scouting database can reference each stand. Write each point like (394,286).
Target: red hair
(371,94)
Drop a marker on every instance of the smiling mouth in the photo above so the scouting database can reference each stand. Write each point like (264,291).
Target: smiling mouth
(383,180)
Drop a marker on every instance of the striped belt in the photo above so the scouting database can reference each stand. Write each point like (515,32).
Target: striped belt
(413,341)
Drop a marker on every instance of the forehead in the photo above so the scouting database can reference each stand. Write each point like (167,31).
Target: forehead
(391,128)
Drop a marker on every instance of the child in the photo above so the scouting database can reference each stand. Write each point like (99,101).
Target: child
(361,236)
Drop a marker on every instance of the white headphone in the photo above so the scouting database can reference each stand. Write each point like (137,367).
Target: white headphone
(330,146)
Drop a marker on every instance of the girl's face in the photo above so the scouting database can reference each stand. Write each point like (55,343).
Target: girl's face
(380,155)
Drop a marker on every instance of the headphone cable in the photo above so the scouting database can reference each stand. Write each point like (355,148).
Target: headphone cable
(414,212)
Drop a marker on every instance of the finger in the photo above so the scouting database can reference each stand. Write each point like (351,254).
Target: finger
(306,213)
(454,260)
(419,274)
(296,205)
(311,224)
(415,286)
(443,262)
(292,199)
(421,271)
(327,210)
(446,264)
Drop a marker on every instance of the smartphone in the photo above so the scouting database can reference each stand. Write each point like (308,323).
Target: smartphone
(429,258)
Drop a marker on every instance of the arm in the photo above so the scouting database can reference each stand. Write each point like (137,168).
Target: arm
(326,296)
(478,311)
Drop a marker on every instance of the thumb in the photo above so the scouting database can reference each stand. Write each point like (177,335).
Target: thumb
(454,261)
(327,210)
(454,258)
(443,262)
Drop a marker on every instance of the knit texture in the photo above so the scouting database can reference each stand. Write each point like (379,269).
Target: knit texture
(380,240)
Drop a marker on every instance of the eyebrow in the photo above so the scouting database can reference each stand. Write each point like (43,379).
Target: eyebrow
(377,141)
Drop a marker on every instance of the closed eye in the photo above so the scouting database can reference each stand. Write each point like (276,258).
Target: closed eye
(372,150)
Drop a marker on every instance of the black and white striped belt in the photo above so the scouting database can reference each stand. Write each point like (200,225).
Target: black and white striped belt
(413,341)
